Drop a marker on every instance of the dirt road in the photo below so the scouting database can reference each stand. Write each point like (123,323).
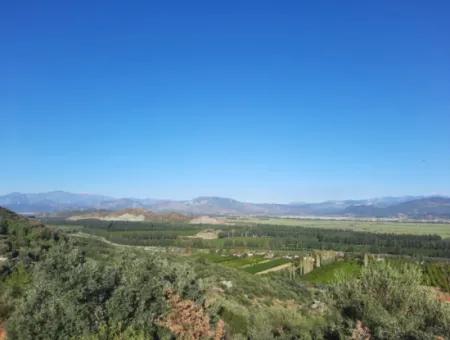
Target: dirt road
(275,269)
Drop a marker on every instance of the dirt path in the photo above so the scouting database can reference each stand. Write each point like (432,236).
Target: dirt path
(275,269)
(104,240)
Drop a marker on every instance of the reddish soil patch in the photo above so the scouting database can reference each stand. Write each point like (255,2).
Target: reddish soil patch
(442,296)
(445,297)
(2,333)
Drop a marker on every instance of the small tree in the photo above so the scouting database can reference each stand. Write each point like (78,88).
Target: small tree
(3,227)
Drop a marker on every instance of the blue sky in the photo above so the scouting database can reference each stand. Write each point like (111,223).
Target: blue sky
(257,100)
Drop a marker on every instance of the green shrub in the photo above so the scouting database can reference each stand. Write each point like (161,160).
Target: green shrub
(392,303)
(72,296)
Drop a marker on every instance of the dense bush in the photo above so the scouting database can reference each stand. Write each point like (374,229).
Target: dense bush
(73,296)
(392,303)
(50,289)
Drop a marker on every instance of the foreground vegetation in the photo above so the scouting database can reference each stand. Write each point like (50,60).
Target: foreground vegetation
(392,303)
(53,286)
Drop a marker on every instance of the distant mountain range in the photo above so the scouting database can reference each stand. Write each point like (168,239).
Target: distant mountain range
(415,207)
(423,208)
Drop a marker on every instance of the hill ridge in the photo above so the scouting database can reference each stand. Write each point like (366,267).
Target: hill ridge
(428,207)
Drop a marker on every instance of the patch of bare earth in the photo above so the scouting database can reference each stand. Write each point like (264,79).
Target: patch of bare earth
(442,296)
(189,321)
(361,332)
(207,234)
(2,332)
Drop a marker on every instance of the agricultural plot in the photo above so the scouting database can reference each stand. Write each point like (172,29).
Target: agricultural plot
(282,239)
(436,274)
(413,228)
(329,273)
(252,264)
(216,258)
(412,239)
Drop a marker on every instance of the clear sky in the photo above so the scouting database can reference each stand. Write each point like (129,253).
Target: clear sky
(256,100)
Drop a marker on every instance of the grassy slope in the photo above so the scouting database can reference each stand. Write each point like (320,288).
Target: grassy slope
(248,304)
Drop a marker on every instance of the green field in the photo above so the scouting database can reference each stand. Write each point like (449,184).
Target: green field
(414,228)
(216,258)
(252,264)
(329,273)
(243,262)
(265,265)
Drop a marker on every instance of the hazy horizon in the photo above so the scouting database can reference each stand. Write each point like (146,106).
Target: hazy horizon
(222,196)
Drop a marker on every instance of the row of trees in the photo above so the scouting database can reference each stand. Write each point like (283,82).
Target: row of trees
(274,237)
(296,238)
